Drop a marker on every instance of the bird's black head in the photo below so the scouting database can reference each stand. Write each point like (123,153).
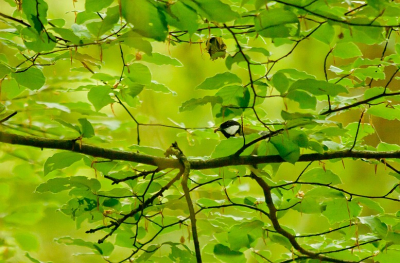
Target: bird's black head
(229,128)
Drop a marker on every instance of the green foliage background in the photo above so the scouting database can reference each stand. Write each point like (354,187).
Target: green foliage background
(62,91)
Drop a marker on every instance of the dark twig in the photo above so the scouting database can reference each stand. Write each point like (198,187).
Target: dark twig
(275,222)
(358,129)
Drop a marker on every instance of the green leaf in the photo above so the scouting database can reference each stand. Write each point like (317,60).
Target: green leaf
(232,95)
(237,58)
(372,92)
(36,13)
(364,130)
(232,145)
(281,240)
(143,258)
(305,99)
(206,202)
(244,234)
(99,96)
(213,10)
(388,256)
(160,59)
(375,72)
(135,40)
(308,206)
(87,128)
(370,204)
(346,50)
(339,210)
(319,175)
(103,249)
(96,5)
(54,105)
(318,87)
(42,41)
(106,24)
(184,18)
(280,82)
(225,254)
(325,33)
(32,78)
(276,22)
(376,225)
(287,149)
(111,202)
(386,147)
(58,22)
(260,50)
(10,88)
(84,16)
(68,125)
(146,17)
(180,255)
(59,184)
(296,74)
(193,103)
(102,77)
(159,87)
(385,112)
(60,161)
(67,34)
(218,81)
(118,192)
(138,73)
(129,94)
(4,70)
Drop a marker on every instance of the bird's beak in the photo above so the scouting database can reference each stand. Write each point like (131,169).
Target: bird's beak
(217,129)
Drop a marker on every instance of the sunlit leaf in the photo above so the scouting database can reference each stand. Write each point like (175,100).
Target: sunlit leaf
(138,73)
(160,59)
(96,5)
(99,96)
(220,80)
(61,160)
(276,23)
(339,210)
(319,175)
(31,78)
(193,103)
(146,17)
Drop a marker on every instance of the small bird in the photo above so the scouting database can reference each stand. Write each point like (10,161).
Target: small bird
(230,128)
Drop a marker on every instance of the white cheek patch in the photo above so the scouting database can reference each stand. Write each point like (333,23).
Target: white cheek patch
(232,129)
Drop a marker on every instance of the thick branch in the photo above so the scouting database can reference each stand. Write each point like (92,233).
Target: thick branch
(163,163)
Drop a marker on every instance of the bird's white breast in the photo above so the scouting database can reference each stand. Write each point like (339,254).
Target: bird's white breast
(232,129)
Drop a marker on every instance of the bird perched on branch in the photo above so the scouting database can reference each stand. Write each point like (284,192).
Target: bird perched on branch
(230,128)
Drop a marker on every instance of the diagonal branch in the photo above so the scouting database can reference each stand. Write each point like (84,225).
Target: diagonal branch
(185,175)
(275,222)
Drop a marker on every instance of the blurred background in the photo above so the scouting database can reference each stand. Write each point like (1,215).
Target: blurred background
(32,222)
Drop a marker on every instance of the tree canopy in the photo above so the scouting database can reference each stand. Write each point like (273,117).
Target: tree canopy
(109,146)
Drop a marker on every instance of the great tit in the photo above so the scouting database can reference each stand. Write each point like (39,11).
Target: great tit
(230,128)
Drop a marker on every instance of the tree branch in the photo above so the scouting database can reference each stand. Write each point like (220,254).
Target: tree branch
(163,163)
(185,175)
(275,222)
